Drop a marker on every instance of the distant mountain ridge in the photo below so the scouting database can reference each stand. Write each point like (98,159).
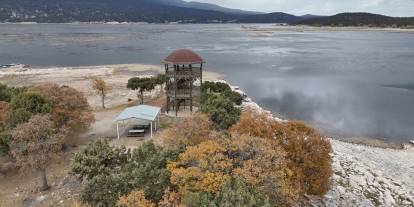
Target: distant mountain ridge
(167,11)
(358,19)
(206,6)
(276,17)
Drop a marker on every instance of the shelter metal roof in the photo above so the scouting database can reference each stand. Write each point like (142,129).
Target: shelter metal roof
(143,112)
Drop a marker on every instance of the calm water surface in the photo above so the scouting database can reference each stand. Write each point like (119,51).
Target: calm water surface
(346,83)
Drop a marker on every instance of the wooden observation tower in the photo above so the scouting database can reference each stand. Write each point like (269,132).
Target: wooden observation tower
(184,73)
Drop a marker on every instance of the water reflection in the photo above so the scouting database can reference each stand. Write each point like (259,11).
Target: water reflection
(339,107)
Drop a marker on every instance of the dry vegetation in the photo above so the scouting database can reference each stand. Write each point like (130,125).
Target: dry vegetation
(283,160)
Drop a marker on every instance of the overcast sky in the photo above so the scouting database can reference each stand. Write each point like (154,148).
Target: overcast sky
(325,7)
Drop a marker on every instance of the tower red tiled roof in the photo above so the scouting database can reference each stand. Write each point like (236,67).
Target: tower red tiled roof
(183,56)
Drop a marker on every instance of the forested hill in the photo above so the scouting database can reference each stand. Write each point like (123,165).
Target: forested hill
(359,19)
(277,17)
(152,11)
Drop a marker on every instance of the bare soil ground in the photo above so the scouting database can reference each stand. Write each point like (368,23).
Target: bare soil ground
(21,189)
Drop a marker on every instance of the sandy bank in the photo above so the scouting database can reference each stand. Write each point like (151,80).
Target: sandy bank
(80,78)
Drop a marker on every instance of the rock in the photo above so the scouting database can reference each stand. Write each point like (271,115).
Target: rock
(27,202)
(388,199)
(41,198)
(7,167)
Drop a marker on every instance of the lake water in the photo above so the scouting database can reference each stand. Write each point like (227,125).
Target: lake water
(345,83)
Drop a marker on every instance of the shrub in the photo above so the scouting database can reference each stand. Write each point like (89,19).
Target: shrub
(189,131)
(263,165)
(69,107)
(215,87)
(160,79)
(4,135)
(220,110)
(5,138)
(3,114)
(198,199)
(256,124)
(104,190)
(204,167)
(308,152)
(117,172)
(309,155)
(148,169)
(31,102)
(224,89)
(25,105)
(236,192)
(134,199)
(170,199)
(234,97)
(99,158)
(22,107)
(7,93)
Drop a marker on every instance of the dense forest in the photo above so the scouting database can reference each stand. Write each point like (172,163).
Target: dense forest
(277,17)
(60,11)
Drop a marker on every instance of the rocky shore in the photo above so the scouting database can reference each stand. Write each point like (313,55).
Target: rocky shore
(364,176)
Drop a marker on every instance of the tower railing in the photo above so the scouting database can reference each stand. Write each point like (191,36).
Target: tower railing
(182,73)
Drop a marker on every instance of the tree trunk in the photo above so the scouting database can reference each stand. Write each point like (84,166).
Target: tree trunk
(43,179)
(142,96)
(103,101)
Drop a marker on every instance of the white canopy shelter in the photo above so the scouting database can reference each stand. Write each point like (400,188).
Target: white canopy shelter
(141,112)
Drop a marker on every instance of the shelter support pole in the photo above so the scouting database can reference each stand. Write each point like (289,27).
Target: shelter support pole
(151,129)
(117,129)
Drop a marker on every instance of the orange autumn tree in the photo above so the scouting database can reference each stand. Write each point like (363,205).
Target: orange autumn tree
(204,167)
(170,199)
(134,199)
(207,166)
(257,124)
(263,165)
(308,152)
(101,88)
(190,131)
(70,107)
